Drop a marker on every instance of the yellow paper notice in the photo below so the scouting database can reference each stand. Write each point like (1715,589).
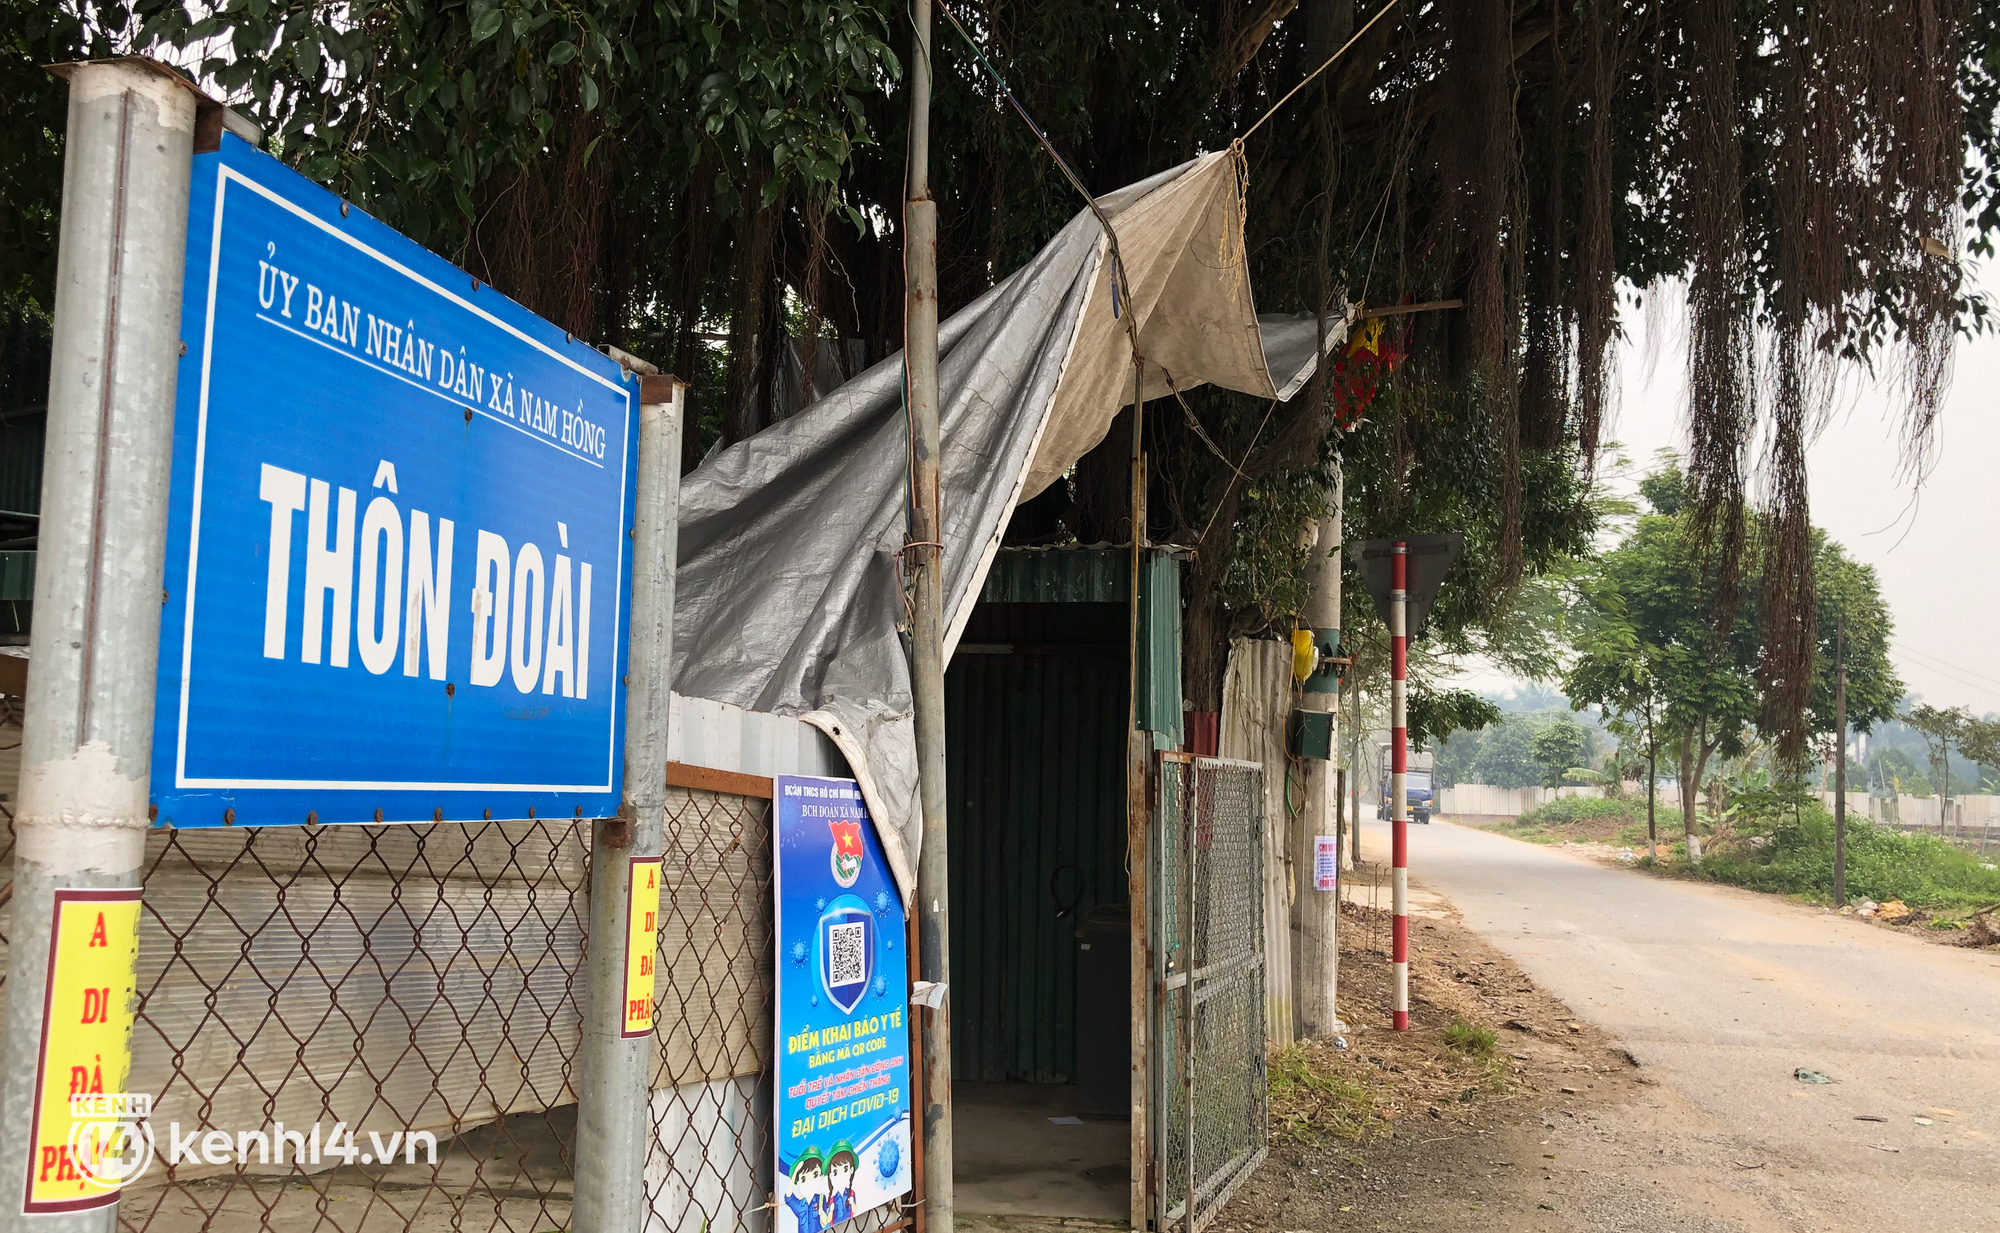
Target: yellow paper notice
(642,932)
(78,1163)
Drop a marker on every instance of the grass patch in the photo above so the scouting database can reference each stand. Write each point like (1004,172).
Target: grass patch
(1472,1039)
(1569,810)
(1789,851)
(1586,819)
(1313,1104)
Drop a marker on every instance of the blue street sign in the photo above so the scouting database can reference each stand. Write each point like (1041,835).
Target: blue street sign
(397,552)
(843,1069)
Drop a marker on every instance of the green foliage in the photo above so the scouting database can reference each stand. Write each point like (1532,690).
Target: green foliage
(413,107)
(1450,480)
(1941,728)
(1471,1039)
(1563,744)
(1896,772)
(1569,810)
(33,110)
(1507,757)
(1788,848)
(1666,491)
(1435,713)
(1265,584)
(1650,651)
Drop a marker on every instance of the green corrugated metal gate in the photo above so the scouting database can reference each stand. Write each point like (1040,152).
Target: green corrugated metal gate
(1035,702)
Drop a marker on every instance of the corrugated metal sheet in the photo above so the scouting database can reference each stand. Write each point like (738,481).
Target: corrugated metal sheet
(1096,575)
(1036,768)
(702,732)
(1256,697)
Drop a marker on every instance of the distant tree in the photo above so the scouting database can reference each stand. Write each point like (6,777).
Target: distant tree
(1507,756)
(1979,740)
(1559,747)
(1457,755)
(1652,616)
(1620,674)
(1897,773)
(1942,728)
(1653,647)
(1849,592)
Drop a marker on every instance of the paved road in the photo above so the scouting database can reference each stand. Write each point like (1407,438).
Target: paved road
(1722,994)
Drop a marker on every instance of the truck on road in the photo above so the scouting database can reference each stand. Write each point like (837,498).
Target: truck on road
(1416,784)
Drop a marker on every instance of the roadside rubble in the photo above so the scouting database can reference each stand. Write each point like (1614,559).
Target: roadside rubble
(1491,1060)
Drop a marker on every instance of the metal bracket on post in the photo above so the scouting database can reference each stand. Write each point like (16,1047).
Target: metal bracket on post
(80,828)
(615,1060)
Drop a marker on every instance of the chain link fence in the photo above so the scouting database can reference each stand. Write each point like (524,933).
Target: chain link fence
(1214,1103)
(365,1028)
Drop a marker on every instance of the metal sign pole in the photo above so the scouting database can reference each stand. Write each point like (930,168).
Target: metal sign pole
(614,1090)
(1403,599)
(88,738)
(926,566)
(1399,643)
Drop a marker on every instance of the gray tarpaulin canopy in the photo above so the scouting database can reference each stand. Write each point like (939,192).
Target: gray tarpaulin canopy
(790,597)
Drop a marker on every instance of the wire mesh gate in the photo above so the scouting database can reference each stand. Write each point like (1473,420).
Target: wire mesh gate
(1208,1058)
(389,979)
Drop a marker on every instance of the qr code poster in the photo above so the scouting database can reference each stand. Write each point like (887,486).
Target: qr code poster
(843,1072)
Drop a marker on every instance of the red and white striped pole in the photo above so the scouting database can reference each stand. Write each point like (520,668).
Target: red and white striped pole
(1399,737)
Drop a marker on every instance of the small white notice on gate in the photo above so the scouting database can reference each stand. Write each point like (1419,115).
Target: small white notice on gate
(1326,862)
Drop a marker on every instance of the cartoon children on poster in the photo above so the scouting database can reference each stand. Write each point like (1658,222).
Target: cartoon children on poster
(822,1190)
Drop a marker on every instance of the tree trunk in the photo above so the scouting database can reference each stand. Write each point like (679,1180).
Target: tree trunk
(750,269)
(1688,773)
(1652,786)
(1703,752)
(688,299)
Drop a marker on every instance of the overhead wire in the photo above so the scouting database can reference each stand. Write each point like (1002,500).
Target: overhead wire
(1949,670)
(1119,278)
(1118,275)
(1379,15)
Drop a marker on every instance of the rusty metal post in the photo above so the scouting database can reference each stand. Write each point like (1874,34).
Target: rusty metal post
(615,1059)
(1138,815)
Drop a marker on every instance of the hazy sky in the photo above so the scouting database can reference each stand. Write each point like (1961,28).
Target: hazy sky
(1932,546)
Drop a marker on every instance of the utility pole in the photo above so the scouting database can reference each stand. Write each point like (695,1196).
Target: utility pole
(615,1060)
(1840,763)
(924,558)
(1316,912)
(87,744)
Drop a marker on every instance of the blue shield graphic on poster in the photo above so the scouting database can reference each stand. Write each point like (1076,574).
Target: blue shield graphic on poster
(843,1070)
(846,951)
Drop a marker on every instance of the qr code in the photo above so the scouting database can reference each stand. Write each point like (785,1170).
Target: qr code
(847,958)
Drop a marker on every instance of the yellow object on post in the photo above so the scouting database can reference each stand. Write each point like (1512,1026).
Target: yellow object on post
(642,943)
(79,1162)
(1305,657)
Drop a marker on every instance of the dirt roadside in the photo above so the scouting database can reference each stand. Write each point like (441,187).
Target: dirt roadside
(1597,840)
(1554,1127)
